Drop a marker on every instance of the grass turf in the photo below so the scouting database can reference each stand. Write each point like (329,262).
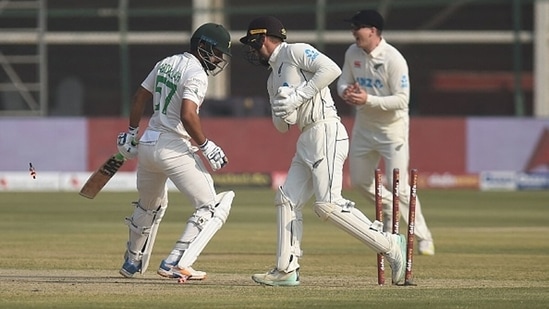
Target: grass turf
(59,250)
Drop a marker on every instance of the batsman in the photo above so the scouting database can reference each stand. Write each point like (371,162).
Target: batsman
(176,86)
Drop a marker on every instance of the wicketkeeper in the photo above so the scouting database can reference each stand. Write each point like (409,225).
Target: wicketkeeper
(299,95)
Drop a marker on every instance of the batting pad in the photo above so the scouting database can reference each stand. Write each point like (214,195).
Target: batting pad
(147,250)
(222,209)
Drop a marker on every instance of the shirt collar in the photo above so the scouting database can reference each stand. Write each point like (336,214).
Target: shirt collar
(191,56)
(275,53)
(379,48)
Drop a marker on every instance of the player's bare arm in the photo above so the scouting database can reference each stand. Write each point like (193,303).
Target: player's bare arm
(141,97)
(127,141)
(191,121)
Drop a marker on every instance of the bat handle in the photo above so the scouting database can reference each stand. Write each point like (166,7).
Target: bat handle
(119,157)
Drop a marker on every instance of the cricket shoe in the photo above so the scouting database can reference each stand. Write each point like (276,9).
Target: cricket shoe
(130,267)
(173,271)
(426,247)
(278,278)
(397,257)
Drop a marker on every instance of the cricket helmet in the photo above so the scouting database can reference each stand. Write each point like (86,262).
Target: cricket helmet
(258,29)
(265,25)
(208,39)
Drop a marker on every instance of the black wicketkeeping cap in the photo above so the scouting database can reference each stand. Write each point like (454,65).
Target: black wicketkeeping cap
(267,25)
(370,18)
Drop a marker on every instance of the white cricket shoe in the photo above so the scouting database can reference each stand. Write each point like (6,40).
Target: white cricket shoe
(173,271)
(426,247)
(276,277)
(397,257)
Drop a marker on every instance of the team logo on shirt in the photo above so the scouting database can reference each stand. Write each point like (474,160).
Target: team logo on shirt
(357,64)
(365,82)
(377,65)
(311,54)
(404,81)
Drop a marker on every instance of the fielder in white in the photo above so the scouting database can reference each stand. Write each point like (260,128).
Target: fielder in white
(177,86)
(375,79)
(299,94)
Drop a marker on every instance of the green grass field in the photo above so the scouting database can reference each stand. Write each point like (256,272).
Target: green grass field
(59,250)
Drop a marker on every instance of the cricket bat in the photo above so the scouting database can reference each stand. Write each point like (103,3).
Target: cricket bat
(102,175)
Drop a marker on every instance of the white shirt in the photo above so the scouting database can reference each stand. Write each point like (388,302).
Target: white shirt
(299,63)
(383,74)
(173,79)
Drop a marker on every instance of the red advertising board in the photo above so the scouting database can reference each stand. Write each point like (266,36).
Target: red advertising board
(437,145)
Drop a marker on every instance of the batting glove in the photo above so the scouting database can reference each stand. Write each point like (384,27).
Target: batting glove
(287,100)
(127,144)
(214,154)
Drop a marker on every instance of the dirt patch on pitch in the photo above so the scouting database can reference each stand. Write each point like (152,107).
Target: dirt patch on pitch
(95,282)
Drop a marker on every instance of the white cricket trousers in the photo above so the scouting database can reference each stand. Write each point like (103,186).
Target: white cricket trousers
(172,157)
(317,167)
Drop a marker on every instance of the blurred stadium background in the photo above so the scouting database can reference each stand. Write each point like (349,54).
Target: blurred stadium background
(478,69)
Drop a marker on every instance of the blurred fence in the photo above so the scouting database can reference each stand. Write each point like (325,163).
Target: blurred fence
(68,58)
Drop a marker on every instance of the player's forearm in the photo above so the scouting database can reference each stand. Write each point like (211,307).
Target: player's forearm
(326,72)
(398,101)
(141,97)
(193,126)
(345,80)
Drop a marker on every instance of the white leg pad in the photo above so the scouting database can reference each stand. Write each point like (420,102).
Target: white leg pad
(140,226)
(289,233)
(147,251)
(221,212)
(349,206)
(353,225)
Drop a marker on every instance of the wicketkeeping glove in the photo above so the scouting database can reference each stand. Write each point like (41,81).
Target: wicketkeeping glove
(214,154)
(127,144)
(287,100)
